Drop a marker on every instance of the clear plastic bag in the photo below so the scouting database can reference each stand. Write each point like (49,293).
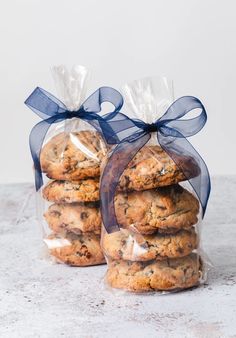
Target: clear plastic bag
(68,202)
(157,247)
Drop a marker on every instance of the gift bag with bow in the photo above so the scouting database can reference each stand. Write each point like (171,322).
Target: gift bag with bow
(67,148)
(154,191)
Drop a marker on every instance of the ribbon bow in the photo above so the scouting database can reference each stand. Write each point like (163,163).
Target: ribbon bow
(171,135)
(52,110)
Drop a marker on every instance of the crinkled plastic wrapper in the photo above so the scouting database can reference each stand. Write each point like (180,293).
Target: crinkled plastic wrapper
(158,245)
(68,202)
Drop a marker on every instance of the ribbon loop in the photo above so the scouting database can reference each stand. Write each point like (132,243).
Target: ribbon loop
(180,108)
(44,104)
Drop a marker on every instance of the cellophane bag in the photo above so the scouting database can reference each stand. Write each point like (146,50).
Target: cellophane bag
(157,246)
(68,202)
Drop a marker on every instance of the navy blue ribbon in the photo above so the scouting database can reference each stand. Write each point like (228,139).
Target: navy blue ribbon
(52,110)
(172,132)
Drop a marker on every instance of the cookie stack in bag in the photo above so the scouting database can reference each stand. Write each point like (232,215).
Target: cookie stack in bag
(154,249)
(72,162)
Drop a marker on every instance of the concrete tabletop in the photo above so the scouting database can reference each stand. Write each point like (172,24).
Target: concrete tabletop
(41,299)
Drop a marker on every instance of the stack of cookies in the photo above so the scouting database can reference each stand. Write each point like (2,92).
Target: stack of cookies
(154,249)
(72,162)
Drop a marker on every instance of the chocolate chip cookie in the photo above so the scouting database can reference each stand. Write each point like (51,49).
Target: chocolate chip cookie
(169,274)
(127,245)
(152,167)
(166,209)
(72,191)
(74,217)
(76,250)
(73,156)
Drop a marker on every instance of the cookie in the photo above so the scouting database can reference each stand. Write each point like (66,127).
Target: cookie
(129,246)
(74,217)
(152,167)
(70,192)
(73,156)
(169,274)
(76,250)
(166,209)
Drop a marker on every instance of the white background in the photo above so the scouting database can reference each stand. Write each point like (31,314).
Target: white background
(192,42)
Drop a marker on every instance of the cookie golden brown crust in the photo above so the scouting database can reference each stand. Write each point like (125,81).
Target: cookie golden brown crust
(76,250)
(69,192)
(74,217)
(152,167)
(169,274)
(166,209)
(130,246)
(73,156)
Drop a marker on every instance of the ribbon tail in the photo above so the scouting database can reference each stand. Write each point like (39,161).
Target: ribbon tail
(36,140)
(194,169)
(120,158)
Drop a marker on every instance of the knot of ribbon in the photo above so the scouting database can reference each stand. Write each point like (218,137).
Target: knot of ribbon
(71,114)
(172,132)
(52,110)
(150,127)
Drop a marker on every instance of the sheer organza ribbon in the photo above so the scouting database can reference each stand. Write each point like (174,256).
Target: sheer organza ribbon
(172,132)
(52,110)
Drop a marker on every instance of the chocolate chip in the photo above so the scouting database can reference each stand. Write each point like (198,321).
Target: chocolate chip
(84,215)
(180,250)
(120,253)
(55,213)
(123,242)
(127,180)
(88,254)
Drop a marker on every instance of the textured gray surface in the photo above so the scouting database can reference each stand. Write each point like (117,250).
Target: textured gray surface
(40,299)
